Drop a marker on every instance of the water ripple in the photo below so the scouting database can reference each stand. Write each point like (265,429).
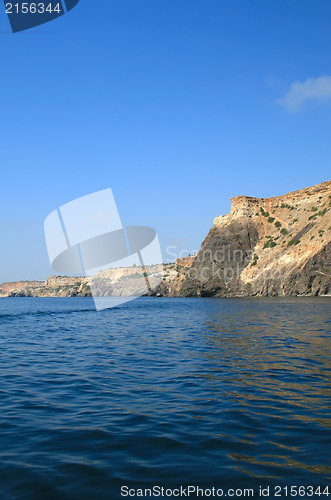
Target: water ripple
(223,392)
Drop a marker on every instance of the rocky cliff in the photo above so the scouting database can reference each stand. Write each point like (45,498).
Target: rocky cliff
(55,286)
(264,246)
(267,246)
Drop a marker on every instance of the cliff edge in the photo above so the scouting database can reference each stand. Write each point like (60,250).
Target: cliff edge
(267,246)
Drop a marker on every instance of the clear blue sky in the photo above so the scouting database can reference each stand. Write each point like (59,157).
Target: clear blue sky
(177,105)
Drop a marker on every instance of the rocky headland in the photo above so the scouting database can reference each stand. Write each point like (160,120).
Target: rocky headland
(278,246)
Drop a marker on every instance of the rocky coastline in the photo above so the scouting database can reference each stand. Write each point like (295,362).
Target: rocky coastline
(278,246)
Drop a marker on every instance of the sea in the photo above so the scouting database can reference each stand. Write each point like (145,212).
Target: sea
(165,398)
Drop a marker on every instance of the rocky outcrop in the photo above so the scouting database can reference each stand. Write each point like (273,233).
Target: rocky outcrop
(267,246)
(264,246)
(55,286)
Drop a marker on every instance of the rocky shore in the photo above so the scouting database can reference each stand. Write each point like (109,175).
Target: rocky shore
(278,246)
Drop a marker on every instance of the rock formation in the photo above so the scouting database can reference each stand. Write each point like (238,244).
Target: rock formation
(267,246)
(264,246)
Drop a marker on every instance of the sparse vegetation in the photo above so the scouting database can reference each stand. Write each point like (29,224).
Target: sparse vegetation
(294,241)
(286,205)
(270,243)
(256,258)
(314,209)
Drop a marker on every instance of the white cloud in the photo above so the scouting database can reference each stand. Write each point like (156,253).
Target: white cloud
(313,89)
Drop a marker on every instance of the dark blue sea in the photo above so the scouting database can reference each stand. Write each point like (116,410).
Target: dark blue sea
(230,394)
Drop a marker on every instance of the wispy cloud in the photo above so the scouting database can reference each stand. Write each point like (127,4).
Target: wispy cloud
(299,93)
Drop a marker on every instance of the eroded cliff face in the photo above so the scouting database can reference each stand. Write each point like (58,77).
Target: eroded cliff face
(264,246)
(119,282)
(267,246)
(55,286)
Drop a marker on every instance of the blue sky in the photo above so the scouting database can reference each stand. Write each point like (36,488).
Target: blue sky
(177,105)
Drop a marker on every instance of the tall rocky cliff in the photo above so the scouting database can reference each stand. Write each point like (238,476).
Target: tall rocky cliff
(267,246)
(264,246)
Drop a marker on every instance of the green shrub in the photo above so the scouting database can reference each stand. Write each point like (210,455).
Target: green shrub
(278,224)
(255,260)
(314,209)
(270,244)
(284,231)
(271,219)
(293,242)
(286,205)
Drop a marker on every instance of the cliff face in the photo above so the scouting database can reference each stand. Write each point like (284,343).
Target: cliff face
(264,246)
(267,246)
(121,281)
(55,286)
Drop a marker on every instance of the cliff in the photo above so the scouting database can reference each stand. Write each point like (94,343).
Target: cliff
(264,246)
(267,246)
(55,286)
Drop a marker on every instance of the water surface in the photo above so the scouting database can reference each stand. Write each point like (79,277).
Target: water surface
(230,393)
